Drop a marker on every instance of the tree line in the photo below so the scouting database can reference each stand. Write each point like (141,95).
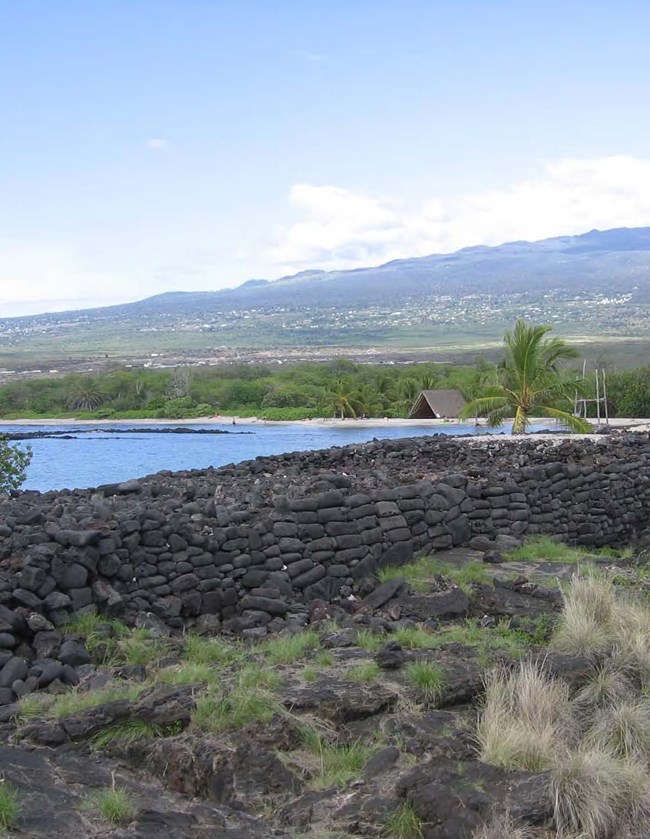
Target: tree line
(338,388)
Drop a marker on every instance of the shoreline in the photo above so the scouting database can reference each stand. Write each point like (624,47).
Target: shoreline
(632,424)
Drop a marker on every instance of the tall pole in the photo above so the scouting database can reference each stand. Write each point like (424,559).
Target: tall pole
(597,399)
(605,397)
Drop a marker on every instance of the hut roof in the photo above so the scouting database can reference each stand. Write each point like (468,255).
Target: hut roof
(435,404)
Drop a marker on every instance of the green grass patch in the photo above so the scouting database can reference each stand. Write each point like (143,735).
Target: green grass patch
(67,704)
(9,806)
(116,805)
(369,640)
(257,676)
(416,638)
(427,678)
(337,765)
(324,658)
(210,651)
(367,673)
(139,647)
(545,549)
(127,733)
(285,649)
(237,709)
(189,674)
(404,823)
(420,572)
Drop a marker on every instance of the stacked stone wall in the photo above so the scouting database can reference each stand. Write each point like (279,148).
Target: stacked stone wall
(253,539)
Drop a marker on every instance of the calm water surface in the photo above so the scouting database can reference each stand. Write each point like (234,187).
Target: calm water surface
(97,457)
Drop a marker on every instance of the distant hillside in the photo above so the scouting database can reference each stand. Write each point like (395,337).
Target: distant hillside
(594,284)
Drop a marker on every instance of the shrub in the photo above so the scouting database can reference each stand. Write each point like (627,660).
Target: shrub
(13,465)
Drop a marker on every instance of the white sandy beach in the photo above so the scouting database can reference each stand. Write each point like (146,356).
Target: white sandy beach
(641,425)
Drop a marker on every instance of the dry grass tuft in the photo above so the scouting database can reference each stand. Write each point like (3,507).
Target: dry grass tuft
(624,729)
(504,827)
(524,718)
(594,792)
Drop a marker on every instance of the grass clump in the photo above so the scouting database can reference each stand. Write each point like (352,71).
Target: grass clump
(67,704)
(285,649)
(369,640)
(624,729)
(404,823)
(116,805)
(594,792)
(9,806)
(324,658)
(139,647)
(336,765)
(600,618)
(236,709)
(427,678)
(544,549)
(126,733)
(256,676)
(100,633)
(368,672)
(416,638)
(188,674)
(522,723)
(420,572)
(210,651)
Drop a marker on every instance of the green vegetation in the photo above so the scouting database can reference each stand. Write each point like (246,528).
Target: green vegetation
(115,804)
(369,640)
(368,672)
(415,638)
(235,709)
(422,571)
(300,391)
(336,764)
(66,704)
(529,382)
(126,733)
(210,650)
(546,549)
(285,649)
(404,823)
(308,390)
(14,461)
(427,678)
(9,806)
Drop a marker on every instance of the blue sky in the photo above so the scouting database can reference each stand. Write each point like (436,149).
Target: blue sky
(193,144)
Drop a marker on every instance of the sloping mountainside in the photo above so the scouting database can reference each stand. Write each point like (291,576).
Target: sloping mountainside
(596,284)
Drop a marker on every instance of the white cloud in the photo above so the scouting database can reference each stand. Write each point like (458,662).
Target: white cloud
(39,279)
(334,228)
(344,229)
(158,144)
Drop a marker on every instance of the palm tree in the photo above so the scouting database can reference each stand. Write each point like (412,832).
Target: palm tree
(341,399)
(85,394)
(529,382)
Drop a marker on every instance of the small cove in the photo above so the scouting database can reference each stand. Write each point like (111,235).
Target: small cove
(74,460)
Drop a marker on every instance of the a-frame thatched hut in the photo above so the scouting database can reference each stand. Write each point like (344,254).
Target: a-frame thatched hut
(437,404)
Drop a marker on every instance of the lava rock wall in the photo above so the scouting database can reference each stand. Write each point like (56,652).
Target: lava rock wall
(248,541)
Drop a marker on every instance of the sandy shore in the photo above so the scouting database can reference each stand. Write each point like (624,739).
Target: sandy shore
(219,420)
